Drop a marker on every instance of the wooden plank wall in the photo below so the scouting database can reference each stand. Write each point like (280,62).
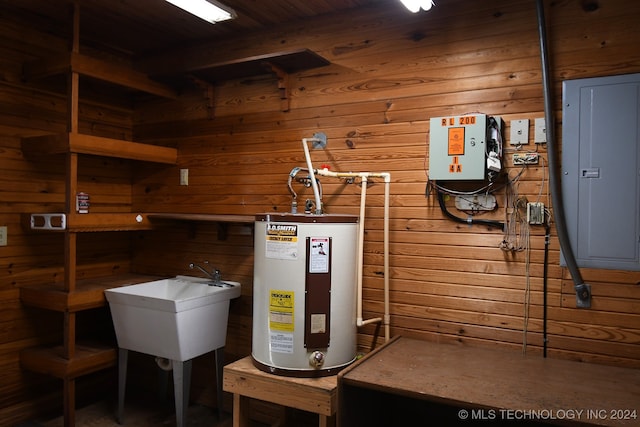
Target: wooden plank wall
(390,72)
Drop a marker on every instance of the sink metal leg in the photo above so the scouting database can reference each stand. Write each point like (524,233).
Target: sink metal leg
(219,355)
(181,387)
(123,355)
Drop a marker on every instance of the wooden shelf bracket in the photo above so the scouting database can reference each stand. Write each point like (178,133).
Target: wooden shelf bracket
(283,86)
(209,94)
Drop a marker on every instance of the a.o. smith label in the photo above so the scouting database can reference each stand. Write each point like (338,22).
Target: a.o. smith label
(281,241)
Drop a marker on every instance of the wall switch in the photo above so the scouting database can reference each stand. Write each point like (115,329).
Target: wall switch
(519,132)
(3,235)
(184,176)
(540,131)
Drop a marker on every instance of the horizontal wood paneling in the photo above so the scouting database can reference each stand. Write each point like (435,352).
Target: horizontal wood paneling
(390,73)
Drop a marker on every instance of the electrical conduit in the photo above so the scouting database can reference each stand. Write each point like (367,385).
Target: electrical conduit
(583,292)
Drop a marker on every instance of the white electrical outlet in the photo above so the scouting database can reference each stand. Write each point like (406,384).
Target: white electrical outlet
(519,132)
(184,176)
(3,235)
(540,131)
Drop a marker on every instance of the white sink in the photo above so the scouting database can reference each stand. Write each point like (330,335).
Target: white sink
(178,318)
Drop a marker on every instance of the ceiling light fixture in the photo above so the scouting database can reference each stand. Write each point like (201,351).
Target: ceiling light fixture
(415,5)
(209,10)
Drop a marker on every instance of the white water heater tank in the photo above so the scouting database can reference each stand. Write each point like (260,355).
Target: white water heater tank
(304,293)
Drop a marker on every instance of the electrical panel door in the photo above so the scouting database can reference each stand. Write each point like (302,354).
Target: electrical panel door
(601,170)
(457,147)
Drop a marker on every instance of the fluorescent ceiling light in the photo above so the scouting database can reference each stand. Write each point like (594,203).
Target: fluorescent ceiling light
(209,10)
(415,5)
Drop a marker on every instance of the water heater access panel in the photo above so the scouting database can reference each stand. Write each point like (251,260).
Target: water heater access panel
(457,147)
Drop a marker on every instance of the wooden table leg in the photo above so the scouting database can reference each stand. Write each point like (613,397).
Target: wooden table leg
(326,421)
(240,411)
(69,405)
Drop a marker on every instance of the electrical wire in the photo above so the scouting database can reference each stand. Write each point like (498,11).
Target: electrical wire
(527,296)
(545,276)
(542,161)
(470,221)
(516,225)
(516,236)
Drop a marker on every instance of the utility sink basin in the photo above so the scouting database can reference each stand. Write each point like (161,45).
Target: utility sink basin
(177,318)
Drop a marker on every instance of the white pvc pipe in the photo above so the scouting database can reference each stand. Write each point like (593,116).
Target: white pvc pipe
(364,176)
(314,184)
(387,180)
(360,262)
(387,317)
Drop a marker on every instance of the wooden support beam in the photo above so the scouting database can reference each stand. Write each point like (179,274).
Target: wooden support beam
(283,86)
(209,94)
(69,335)
(69,404)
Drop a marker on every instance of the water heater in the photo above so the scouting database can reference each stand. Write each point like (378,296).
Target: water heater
(304,293)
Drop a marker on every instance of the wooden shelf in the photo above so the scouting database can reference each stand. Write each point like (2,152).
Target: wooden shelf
(98,69)
(222,220)
(99,146)
(94,222)
(89,357)
(129,221)
(89,293)
(291,61)
(108,222)
(206,74)
(241,219)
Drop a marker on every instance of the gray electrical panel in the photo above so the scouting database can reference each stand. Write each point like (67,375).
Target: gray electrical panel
(601,170)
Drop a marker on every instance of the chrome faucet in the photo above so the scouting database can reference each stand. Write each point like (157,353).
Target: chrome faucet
(214,274)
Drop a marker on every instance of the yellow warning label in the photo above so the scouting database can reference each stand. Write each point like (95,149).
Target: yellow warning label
(281,307)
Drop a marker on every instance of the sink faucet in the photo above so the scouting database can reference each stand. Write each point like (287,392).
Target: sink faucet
(215,274)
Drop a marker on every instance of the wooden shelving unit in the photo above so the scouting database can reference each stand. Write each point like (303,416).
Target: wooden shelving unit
(73,358)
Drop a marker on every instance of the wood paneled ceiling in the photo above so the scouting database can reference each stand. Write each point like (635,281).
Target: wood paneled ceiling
(146,27)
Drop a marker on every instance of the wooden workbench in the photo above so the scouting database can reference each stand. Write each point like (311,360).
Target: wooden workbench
(245,381)
(409,380)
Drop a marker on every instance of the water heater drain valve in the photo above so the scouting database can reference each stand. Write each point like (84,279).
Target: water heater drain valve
(316,359)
